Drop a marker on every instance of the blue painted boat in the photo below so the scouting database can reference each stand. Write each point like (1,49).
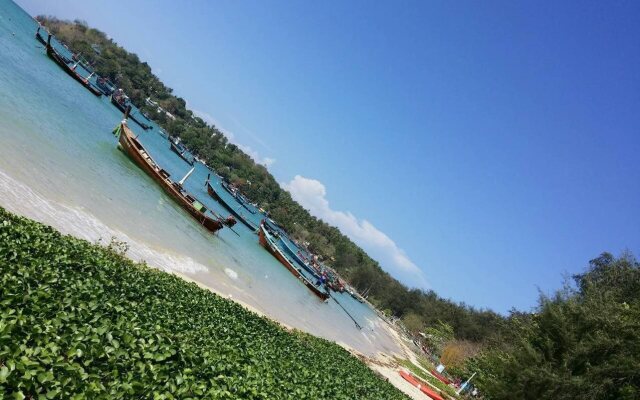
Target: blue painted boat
(233,210)
(238,196)
(299,259)
(268,240)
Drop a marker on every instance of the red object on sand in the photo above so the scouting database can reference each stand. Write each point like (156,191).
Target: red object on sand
(441,378)
(423,386)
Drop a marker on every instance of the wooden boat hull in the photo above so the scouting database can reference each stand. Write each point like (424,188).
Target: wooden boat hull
(216,196)
(58,59)
(176,150)
(271,248)
(136,152)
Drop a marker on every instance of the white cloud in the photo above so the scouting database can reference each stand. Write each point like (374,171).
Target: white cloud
(253,136)
(208,118)
(311,194)
(266,161)
(231,137)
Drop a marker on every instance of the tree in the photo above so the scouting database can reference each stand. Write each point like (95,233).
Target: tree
(583,342)
(456,352)
(437,336)
(413,322)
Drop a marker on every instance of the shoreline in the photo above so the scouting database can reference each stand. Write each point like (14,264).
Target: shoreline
(90,228)
(384,365)
(381,363)
(105,312)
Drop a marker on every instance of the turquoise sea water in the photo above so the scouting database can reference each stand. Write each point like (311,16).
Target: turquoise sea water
(59,164)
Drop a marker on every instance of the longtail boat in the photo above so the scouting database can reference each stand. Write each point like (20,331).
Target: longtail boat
(105,85)
(317,270)
(268,241)
(120,101)
(238,196)
(60,60)
(134,149)
(180,150)
(298,257)
(216,196)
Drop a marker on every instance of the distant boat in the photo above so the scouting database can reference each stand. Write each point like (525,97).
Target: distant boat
(296,256)
(274,226)
(84,63)
(121,101)
(60,60)
(134,149)
(332,281)
(180,150)
(355,295)
(238,196)
(105,85)
(268,242)
(216,196)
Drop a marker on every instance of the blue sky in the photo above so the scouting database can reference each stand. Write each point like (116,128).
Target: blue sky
(480,149)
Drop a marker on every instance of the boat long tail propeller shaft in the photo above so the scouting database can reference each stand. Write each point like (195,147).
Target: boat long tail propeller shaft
(347,312)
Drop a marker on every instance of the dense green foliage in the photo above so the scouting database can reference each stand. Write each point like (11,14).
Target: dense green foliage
(78,321)
(135,77)
(581,343)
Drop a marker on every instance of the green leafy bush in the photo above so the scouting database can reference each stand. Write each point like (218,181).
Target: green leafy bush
(583,342)
(79,321)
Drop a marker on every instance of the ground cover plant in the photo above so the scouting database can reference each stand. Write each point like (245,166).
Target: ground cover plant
(80,321)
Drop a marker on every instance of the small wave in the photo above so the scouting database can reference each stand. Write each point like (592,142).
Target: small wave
(366,337)
(20,199)
(231,273)
(373,323)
